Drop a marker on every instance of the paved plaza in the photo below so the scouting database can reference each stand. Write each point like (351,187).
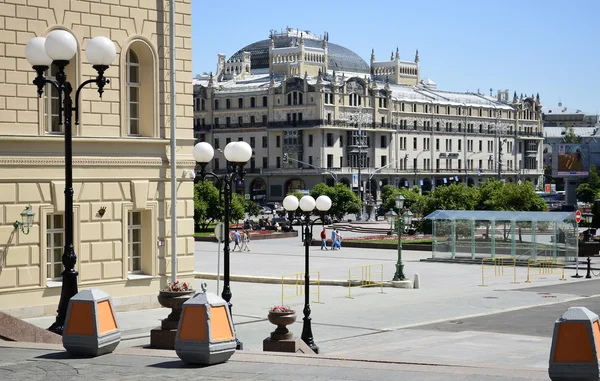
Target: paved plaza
(451,320)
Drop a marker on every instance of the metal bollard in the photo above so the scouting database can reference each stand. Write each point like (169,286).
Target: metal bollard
(589,268)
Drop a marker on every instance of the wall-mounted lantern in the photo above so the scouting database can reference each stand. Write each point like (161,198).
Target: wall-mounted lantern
(26,220)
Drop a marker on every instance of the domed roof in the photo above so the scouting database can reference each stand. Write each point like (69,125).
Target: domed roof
(339,58)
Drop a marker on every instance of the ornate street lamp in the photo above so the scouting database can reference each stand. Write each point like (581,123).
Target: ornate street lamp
(58,49)
(391,216)
(307,204)
(26,220)
(237,155)
(399,275)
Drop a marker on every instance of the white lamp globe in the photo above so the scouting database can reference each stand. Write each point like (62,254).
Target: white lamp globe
(61,45)
(243,152)
(229,151)
(307,203)
(323,203)
(35,51)
(290,203)
(100,50)
(203,152)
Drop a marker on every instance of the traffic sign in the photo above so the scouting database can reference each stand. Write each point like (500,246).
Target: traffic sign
(220,231)
(577,216)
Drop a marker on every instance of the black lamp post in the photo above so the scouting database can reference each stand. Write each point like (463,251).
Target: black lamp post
(307,204)
(58,49)
(237,155)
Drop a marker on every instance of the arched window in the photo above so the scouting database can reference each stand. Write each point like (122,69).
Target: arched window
(51,105)
(133,94)
(138,95)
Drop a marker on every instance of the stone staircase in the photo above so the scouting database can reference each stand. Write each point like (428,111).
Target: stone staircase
(373,228)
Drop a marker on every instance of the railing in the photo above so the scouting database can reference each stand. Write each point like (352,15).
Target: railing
(294,285)
(499,265)
(364,276)
(541,267)
(370,125)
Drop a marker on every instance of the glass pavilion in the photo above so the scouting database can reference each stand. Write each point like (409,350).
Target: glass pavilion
(477,234)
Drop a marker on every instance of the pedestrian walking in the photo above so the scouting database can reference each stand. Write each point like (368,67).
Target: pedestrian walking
(246,241)
(333,238)
(338,240)
(237,240)
(324,239)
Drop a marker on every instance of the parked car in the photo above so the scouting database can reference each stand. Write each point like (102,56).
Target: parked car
(265,210)
(381,212)
(276,208)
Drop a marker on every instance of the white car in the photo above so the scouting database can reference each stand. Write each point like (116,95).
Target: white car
(265,210)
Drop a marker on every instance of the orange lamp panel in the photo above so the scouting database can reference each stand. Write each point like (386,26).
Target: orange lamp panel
(573,344)
(193,326)
(106,318)
(81,320)
(596,327)
(220,325)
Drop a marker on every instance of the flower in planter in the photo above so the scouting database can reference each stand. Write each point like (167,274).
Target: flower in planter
(281,309)
(178,286)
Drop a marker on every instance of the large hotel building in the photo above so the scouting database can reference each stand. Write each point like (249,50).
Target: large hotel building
(315,112)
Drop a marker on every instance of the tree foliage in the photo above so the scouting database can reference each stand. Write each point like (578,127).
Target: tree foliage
(251,208)
(413,199)
(586,193)
(237,209)
(570,137)
(207,206)
(343,200)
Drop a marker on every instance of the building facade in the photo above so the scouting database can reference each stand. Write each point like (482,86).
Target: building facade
(315,112)
(120,155)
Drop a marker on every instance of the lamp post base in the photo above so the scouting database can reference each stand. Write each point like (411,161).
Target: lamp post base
(399,275)
(57,328)
(307,335)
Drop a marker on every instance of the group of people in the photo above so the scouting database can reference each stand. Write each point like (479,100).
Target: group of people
(336,239)
(241,241)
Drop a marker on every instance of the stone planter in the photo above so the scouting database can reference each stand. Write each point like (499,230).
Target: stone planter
(173,300)
(281,320)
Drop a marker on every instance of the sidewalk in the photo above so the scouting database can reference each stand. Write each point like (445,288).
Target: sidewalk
(25,361)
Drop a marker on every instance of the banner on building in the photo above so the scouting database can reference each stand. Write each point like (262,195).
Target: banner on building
(355,181)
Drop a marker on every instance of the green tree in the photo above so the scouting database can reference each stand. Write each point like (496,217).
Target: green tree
(522,197)
(207,206)
(452,197)
(413,200)
(387,192)
(343,200)
(585,193)
(490,195)
(237,210)
(569,136)
(251,208)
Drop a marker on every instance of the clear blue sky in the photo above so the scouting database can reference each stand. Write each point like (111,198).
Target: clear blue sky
(546,46)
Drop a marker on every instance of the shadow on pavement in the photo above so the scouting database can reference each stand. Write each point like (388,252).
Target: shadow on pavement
(176,364)
(57,356)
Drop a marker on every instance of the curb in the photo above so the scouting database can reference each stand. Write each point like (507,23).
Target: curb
(274,280)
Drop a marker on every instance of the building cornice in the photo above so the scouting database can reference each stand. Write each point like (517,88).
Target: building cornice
(92,161)
(90,139)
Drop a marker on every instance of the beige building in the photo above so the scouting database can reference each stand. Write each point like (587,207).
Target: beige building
(300,96)
(121,155)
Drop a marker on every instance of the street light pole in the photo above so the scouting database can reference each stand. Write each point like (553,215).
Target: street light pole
(359,119)
(399,275)
(237,155)
(59,48)
(287,158)
(307,204)
(467,166)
